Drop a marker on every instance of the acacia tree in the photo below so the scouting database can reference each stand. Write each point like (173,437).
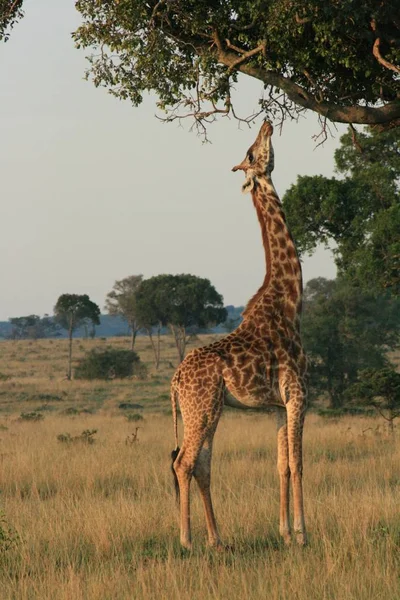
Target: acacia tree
(121,301)
(70,312)
(339,59)
(181,302)
(10,13)
(151,313)
(379,388)
(359,212)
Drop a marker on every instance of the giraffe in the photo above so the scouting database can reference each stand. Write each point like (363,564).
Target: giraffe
(261,363)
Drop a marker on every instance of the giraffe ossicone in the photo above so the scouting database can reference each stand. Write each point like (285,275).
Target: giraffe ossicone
(262,363)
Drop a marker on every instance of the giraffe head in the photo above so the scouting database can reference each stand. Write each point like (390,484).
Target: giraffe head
(259,159)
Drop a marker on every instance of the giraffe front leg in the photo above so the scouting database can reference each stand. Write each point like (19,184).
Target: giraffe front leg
(284,475)
(295,410)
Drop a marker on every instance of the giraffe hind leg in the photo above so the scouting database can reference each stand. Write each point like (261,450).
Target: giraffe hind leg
(202,474)
(174,455)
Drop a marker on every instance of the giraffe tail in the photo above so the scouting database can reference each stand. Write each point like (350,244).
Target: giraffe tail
(175,452)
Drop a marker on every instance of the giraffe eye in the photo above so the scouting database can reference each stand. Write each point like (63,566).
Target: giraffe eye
(250,157)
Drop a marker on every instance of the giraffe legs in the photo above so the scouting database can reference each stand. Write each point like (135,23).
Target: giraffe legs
(295,422)
(202,474)
(194,459)
(284,474)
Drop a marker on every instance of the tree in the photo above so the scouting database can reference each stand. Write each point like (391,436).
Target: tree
(70,312)
(359,213)
(380,389)
(33,327)
(339,59)
(181,302)
(344,331)
(122,301)
(10,13)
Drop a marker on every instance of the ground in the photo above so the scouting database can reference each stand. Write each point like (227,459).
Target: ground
(98,521)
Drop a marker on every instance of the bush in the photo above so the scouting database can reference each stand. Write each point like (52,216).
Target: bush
(31,416)
(134,417)
(109,364)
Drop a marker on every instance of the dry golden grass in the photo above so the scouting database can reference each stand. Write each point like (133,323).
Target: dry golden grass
(99,522)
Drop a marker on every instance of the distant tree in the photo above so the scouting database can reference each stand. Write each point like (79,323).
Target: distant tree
(181,302)
(70,312)
(150,313)
(121,301)
(345,330)
(33,327)
(360,213)
(10,13)
(379,388)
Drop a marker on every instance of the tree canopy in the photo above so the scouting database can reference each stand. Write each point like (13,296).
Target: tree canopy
(10,13)
(379,388)
(345,330)
(339,59)
(360,212)
(122,301)
(180,302)
(71,311)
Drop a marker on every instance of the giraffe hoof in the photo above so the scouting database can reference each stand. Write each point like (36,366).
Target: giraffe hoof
(187,546)
(301,539)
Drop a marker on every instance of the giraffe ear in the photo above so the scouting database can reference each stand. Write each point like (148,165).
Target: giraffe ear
(249,183)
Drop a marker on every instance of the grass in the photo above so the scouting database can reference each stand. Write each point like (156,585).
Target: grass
(98,521)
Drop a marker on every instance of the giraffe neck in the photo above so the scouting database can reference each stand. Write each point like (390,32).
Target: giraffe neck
(283,278)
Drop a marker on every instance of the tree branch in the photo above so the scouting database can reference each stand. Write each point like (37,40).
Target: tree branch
(366,115)
(378,55)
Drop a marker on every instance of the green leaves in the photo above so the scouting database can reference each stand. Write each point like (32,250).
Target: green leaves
(359,213)
(345,330)
(323,47)
(71,310)
(10,13)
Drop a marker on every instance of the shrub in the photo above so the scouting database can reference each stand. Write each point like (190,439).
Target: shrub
(134,417)
(129,406)
(109,364)
(31,416)
(86,437)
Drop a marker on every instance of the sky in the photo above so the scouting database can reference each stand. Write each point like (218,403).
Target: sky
(94,190)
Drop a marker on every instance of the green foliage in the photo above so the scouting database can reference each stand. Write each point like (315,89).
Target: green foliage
(33,327)
(31,416)
(10,13)
(379,388)
(190,52)
(121,301)
(134,417)
(109,364)
(345,330)
(359,213)
(86,437)
(8,536)
(72,310)
(181,302)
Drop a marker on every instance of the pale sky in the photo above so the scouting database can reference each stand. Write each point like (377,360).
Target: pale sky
(94,190)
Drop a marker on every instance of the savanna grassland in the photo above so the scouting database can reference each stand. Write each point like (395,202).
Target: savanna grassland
(98,521)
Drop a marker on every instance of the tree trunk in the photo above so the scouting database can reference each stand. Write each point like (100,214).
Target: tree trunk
(179,334)
(133,338)
(155,346)
(69,373)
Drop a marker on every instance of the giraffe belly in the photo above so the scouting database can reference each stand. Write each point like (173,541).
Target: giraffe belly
(261,399)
